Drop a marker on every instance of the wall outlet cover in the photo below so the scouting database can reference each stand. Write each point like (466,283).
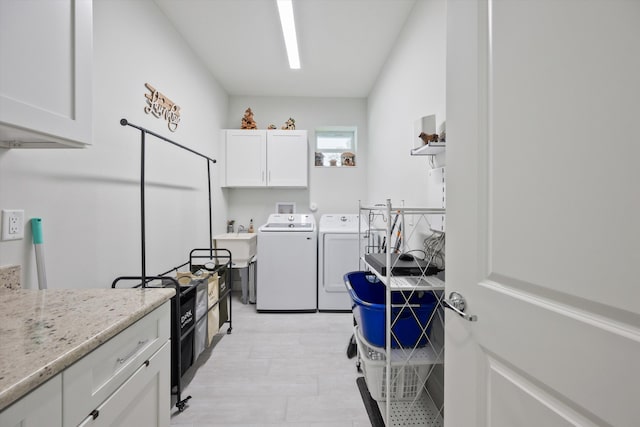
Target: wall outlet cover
(12,224)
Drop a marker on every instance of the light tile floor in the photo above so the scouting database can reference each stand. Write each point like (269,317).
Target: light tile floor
(275,369)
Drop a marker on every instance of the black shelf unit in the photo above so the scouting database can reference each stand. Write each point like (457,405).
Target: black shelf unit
(214,260)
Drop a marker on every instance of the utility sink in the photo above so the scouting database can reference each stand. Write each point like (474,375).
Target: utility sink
(242,245)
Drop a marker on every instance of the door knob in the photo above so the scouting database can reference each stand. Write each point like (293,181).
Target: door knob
(457,303)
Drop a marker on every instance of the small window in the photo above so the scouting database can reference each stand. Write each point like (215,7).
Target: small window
(336,146)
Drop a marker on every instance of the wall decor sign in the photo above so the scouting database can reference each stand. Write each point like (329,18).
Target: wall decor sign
(162,107)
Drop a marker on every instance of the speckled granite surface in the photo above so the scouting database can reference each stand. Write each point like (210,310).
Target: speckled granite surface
(10,277)
(43,332)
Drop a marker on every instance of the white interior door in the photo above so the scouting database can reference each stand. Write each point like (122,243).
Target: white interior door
(543,208)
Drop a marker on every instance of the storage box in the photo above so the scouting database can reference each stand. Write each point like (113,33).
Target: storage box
(187,309)
(408,378)
(224,300)
(200,340)
(368,295)
(187,320)
(243,246)
(213,317)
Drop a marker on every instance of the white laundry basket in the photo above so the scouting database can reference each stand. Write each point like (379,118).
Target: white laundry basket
(407,377)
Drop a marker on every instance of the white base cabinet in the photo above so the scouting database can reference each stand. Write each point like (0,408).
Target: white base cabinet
(46,85)
(124,382)
(141,401)
(265,158)
(41,407)
(106,373)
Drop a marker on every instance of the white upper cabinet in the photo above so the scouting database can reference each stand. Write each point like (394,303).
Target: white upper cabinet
(245,160)
(287,158)
(46,75)
(265,158)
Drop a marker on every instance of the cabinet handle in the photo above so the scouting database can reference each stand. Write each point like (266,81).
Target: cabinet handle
(89,419)
(122,360)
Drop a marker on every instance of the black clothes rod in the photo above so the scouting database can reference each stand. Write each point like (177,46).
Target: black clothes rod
(125,122)
(143,133)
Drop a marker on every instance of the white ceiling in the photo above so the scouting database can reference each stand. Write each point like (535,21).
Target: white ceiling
(343,43)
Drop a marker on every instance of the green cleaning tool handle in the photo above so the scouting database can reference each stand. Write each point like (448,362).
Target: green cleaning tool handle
(36,229)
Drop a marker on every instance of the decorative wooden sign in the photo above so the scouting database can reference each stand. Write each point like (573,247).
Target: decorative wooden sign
(162,107)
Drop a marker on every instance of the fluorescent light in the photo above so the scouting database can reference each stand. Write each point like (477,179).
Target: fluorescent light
(285,9)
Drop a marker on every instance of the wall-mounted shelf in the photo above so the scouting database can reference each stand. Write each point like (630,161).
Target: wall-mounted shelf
(429,149)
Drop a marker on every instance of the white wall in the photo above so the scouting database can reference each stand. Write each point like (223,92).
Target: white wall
(334,190)
(411,85)
(89,199)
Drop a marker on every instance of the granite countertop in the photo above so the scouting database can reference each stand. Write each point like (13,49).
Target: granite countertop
(44,331)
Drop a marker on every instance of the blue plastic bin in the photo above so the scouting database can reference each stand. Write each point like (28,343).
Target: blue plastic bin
(368,295)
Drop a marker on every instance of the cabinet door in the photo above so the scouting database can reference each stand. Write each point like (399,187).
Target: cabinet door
(46,77)
(143,400)
(287,158)
(91,380)
(245,155)
(41,407)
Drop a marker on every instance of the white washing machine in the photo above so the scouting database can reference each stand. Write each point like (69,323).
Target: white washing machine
(287,274)
(338,253)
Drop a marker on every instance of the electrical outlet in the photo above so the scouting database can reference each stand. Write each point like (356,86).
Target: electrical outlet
(12,224)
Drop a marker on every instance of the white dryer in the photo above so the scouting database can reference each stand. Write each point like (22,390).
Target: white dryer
(287,273)
(338,253)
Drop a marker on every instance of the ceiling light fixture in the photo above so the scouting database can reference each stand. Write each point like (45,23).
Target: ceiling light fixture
(285,9)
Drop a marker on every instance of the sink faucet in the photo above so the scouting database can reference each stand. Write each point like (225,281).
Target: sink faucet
(240,228)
